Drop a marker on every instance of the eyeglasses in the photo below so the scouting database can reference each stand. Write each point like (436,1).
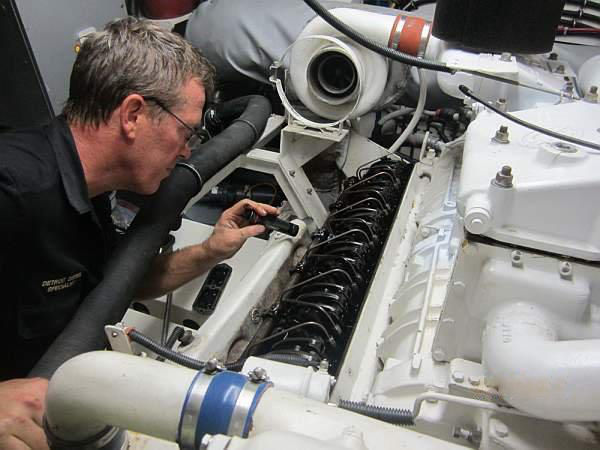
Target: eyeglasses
(196,137)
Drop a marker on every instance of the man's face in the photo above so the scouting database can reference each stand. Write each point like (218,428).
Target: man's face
(164,140)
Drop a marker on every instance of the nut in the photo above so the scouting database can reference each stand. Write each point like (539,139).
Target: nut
(501,136)
(459,377)
(258,375)
(504,178)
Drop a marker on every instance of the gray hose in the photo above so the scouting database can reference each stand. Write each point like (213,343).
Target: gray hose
(390,415)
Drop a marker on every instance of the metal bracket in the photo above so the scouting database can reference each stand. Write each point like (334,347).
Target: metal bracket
(118,339)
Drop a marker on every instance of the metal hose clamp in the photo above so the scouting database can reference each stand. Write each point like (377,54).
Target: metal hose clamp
(223,403)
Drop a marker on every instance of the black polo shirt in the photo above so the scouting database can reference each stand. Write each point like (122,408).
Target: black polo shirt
(54,241)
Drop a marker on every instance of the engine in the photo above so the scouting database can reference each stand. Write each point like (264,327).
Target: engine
(443,288)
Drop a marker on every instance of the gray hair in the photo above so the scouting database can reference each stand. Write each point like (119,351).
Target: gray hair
(132,56)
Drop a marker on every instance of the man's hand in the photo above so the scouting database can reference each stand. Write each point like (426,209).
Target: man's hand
(232,229)
(22,405)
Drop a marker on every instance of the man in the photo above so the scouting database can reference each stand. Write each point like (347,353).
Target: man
(136,95)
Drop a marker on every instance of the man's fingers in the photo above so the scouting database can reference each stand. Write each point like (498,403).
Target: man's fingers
(12,443)
(25,431)
(35,400)
(261,208)
(252,230)
(32,435)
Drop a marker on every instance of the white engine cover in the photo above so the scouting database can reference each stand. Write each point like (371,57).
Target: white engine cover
(552,204)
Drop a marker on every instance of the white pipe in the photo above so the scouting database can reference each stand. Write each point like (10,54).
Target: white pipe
(554,380)
(372,68)
(103,388)
(416,116)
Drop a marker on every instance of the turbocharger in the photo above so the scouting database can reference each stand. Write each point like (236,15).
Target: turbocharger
(338,79)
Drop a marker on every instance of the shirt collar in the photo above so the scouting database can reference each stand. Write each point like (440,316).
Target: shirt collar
(69,164)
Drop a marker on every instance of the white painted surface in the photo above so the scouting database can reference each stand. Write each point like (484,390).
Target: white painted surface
(103,388)
(551,204)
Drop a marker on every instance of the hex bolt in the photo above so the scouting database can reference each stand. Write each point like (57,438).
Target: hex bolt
(474,380)
(506,57)
(439,355)
(114,334)
(553,56)
(592,95)
(565,269)
(205,442)
(516,257)
(258,375)
(211,365)
(501,104)
(292,173)
(309,191)
(560,69)
(501,135)
(500,429)
(504,178)
(459,377)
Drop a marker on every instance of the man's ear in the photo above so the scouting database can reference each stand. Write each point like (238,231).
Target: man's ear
(130,114)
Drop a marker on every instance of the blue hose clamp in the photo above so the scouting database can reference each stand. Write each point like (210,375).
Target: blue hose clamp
(218,404)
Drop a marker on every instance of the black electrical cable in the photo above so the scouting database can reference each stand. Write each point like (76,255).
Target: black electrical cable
(465,90)
(373,45)
(195,364)
(173,337)
(165,352)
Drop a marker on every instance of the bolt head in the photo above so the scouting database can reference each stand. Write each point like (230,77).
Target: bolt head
(500,429)
(504,177)
(257,375)
(501,135)
(475,381)
(459,377)
(439,354)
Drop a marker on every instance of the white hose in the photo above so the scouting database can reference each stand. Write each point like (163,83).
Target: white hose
(417,115)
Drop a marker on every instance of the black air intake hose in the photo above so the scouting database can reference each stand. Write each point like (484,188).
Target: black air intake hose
(109,301)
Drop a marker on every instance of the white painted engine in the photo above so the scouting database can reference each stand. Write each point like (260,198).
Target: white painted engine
(479,319)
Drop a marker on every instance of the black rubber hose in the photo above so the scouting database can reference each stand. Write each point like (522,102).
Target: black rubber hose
(165,352)
(109,301)
(195,364)
(390,415)
(174,336)
(373,45)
